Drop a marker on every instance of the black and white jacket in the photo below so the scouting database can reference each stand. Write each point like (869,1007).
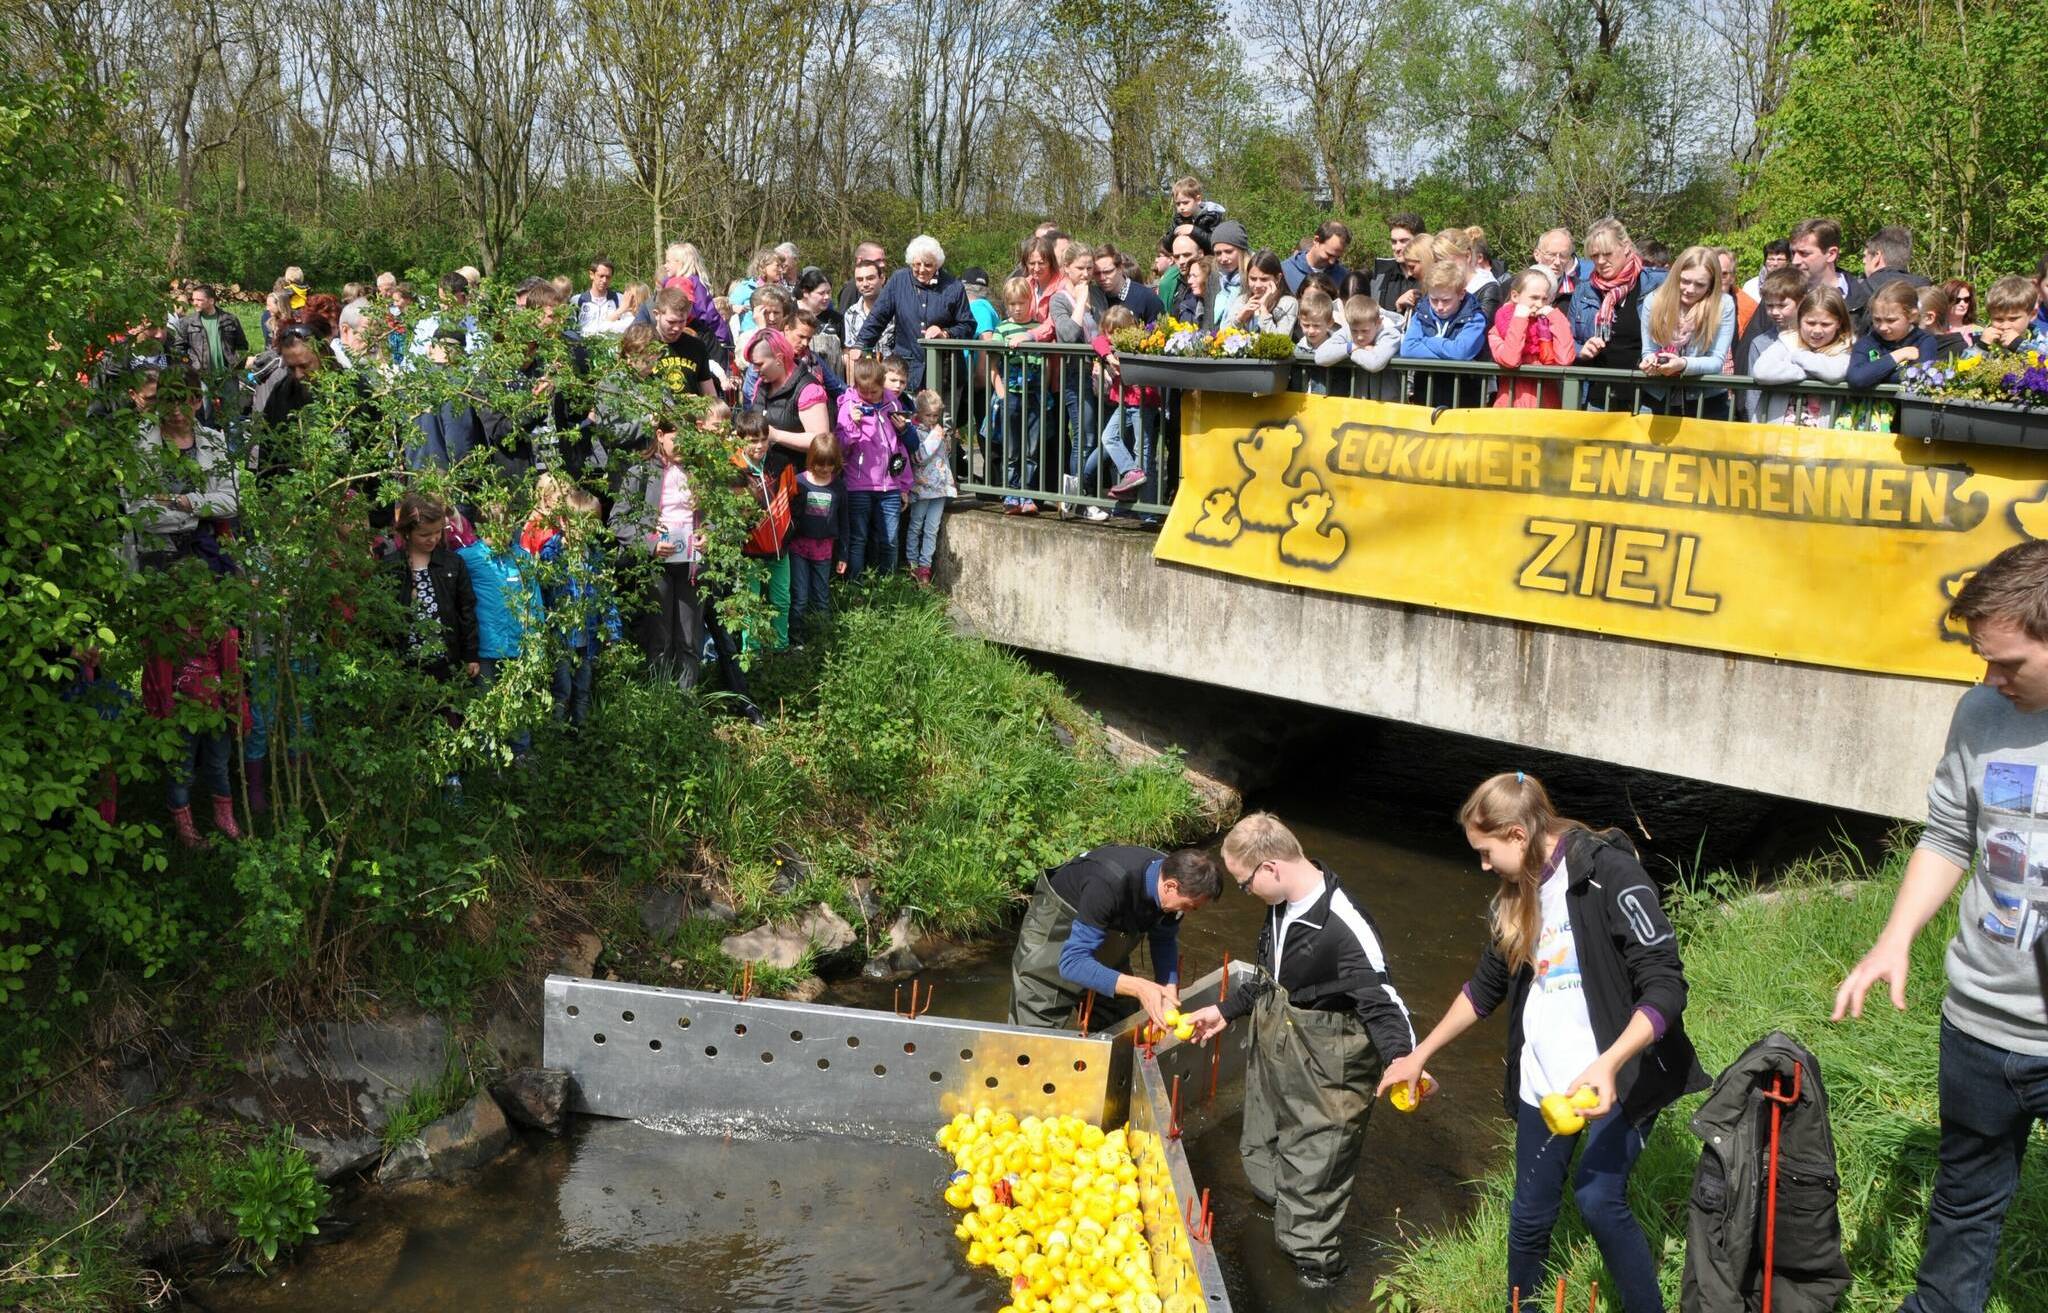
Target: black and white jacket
(1332,962)
(1628,958)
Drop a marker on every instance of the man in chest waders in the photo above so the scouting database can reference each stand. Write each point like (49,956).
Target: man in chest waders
(1085,919)
(1324,1020)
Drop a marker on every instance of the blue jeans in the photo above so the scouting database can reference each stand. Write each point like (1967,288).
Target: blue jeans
(810,592)
(1125,423)
(1078,400)
(573,674)
(1016,427)
(871,520)
(921,534)
(1990,1100)
(487,675)
(1542,1162)
(205,759)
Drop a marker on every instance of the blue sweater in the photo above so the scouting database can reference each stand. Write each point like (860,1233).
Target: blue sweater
(1432,337)
(507,597)
(1586,298)
(912,306)
(1078,964)
(1870,360)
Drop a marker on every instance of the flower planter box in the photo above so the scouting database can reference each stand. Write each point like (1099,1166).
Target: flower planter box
(1993,423)
(1257,378)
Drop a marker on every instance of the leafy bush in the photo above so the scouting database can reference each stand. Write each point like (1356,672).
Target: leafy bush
(274,1196)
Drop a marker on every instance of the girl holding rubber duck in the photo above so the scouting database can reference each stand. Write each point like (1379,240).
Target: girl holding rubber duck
(1584,959)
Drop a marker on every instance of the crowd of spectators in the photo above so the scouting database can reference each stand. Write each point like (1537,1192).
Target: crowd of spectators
(850,454)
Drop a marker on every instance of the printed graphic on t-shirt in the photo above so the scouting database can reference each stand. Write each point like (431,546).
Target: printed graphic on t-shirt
(1557,958)
(2013,863)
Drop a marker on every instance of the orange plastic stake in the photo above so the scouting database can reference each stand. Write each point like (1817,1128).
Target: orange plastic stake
(1087,1008)
(1779,1101)
(1515,1301)
(1173,1126)
(1593,1304)
(1223,989)
(746,982)
(1560,1295)
(929,990)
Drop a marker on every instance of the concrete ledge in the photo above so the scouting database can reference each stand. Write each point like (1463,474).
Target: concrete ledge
(1838,737)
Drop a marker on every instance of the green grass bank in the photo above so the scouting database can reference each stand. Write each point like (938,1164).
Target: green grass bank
(1755,965)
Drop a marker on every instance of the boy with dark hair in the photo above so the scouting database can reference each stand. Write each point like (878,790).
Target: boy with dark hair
(1895,338)
(600,303)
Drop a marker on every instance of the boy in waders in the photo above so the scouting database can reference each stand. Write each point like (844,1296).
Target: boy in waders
(1324,1020)
(1086,918)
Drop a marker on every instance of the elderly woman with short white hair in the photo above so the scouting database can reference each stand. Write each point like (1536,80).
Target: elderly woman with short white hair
(923,301)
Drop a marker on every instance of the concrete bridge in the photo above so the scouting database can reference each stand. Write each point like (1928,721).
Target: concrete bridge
(1837,737)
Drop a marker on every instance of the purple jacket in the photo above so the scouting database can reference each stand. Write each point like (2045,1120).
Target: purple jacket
(704,316)
(867,439)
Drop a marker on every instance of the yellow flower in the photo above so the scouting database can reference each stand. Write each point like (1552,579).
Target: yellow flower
(1968,363)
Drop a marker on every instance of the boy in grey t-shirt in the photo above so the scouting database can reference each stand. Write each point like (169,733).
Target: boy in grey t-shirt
(1987,819)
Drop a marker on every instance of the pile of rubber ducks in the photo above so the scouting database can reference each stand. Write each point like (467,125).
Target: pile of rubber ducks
(1054,1206)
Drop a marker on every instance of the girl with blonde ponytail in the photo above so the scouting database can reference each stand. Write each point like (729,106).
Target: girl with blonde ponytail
(1580,952)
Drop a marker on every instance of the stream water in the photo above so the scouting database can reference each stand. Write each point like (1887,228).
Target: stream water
(620,1217)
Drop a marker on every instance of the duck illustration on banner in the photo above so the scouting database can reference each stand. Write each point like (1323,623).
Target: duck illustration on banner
(1279,493)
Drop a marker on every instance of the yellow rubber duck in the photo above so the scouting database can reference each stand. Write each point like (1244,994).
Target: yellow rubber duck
(1562,1112)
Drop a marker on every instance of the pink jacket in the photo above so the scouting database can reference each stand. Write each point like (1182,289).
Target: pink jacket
(1518,340)
(1118,392)
(1041,309)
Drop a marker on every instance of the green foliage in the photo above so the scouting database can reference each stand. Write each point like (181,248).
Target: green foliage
(63,587)
(273,1195)
(424,1105)
(1935,117)
(1752,966)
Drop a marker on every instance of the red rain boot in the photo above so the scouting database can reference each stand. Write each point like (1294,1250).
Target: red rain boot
(224,817)
(182,826)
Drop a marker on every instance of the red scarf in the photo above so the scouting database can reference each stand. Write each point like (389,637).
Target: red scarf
(1613,290)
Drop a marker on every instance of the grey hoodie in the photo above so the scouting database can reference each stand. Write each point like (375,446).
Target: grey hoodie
(1987,811)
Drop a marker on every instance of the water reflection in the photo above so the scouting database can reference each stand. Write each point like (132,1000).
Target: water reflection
(622,1218)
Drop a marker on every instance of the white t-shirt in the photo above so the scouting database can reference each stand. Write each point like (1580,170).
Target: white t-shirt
(1293,913)
(1557,1031)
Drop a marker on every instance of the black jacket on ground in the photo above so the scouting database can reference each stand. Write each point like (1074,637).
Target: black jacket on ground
(454,599)
(1333,963)
(1724,1247)
(1628,959)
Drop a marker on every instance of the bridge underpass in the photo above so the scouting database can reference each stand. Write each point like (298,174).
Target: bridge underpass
(1840,738)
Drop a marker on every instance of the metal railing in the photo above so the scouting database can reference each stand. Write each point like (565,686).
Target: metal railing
(1040,423)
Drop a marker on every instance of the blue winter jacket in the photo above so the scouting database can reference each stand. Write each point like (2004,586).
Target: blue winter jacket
(1432,337)
(507,597)
(912,306)
(1585,307)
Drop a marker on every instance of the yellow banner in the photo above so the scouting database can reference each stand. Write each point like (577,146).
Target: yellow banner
(1816,545)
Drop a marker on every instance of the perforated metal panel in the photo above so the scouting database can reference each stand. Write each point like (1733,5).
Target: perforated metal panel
(1184,1266)
(1211,1075)
(644,1051)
